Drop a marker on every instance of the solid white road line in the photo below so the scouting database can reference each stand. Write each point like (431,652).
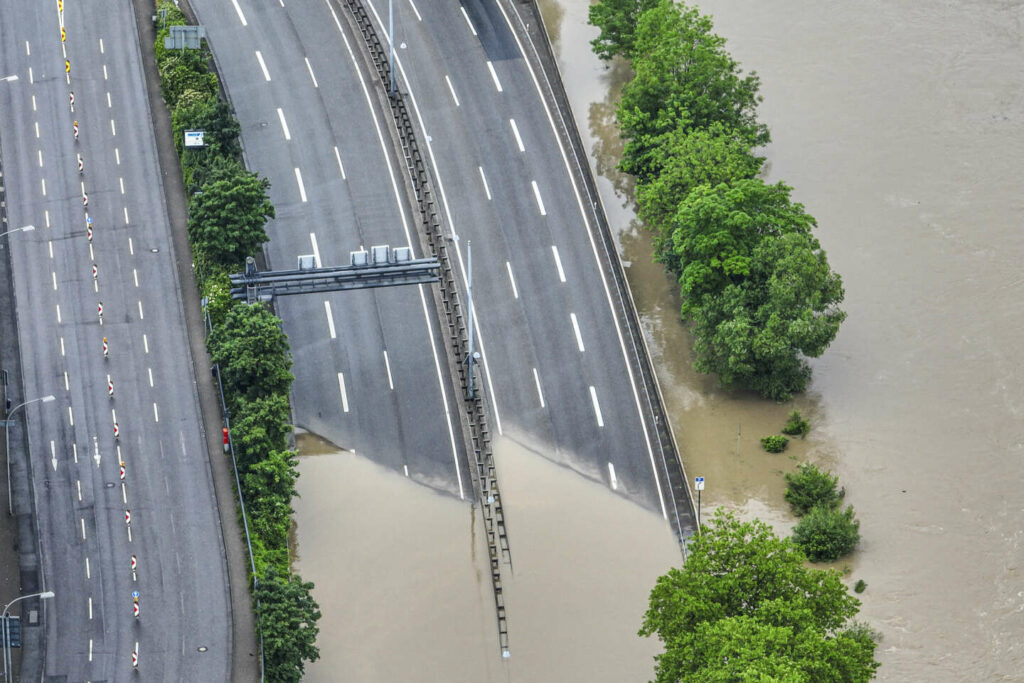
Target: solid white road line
(416,11)
(387,366)
(302,188)
(470,23)
(263,65)
(494,75)
(597,407)
(540,394)
(241,17)
(484,179)
(341,167)
(515,131)
(593,247)
(311,74)
(316,250)
(511,278)
(576,330)
(330,320)
(540,202)
(284,124)
(451,89)
(558,263)
(344,395)
(612,477)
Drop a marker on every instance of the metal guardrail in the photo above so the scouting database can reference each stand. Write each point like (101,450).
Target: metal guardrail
(484,473)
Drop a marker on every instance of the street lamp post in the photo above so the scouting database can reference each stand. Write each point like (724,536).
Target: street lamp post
(24,228)
(45,595)
(7,445)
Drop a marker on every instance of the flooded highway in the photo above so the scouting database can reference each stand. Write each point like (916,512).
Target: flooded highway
(901,127)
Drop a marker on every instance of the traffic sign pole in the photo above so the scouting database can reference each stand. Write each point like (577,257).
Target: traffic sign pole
(698,483)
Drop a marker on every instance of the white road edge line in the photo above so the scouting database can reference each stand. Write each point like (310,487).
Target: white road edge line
(611,475)
(344,394)
(330,320)
(597,407)
(302,188)
(341,167)
(263,65)
(576,330)
(540,394)
(416,11)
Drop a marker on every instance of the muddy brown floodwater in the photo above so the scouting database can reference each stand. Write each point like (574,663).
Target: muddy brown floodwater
(900,125)
(401,574)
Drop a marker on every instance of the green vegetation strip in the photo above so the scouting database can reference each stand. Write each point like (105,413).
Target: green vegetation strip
(757,289)
(228,208)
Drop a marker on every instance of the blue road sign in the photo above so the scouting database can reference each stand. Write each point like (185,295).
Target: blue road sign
(698,483)
(135,594)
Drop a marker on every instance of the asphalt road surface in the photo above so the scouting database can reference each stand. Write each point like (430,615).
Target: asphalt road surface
(370,371)
(554,355)
(82,499)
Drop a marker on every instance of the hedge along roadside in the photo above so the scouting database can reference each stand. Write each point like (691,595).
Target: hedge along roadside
(246,344)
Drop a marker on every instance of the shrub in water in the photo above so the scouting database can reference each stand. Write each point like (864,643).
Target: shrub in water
(797,425)
(809,487)
(826,535)
(774,443)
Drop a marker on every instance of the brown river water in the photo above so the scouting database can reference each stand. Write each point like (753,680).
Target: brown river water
(900,126)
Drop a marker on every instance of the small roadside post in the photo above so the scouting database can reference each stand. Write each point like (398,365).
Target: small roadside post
(698,484)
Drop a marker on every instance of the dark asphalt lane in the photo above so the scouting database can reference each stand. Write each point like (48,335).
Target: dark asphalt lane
(369,366)
(586,413)
(81,502)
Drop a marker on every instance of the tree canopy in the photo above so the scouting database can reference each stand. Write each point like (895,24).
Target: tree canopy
(288,618)
(252,351)
(226,217)
(744,607)
(809,487)
(617,21)
(826,534)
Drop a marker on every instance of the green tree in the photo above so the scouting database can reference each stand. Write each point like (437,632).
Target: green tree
(214,118)
(825,534)
(745,594)
(809,487)
(685,160)
(252,351)
(617,21)
(185,70)
(216,288)
(796,425)
(288,617)
(269,486)
(683,77)
(755,333)
(227,217)
(259,426)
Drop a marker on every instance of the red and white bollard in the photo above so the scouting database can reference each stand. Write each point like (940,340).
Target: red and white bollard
(76,131)
(135,659)
(71,100)
(135,608)
(85,200)
(122,477)
(106,349)
(81,164)
(88,232)
(95,271)
(117,431)
(128,517)
(226,444)
(110,387)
